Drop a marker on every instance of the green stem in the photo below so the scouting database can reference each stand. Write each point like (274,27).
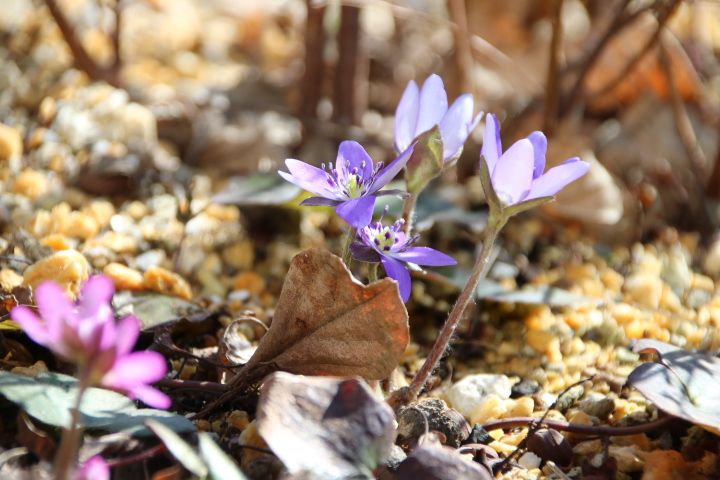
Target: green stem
(373,272)
(66,456)
(346,241)
(443,340)
(409,211)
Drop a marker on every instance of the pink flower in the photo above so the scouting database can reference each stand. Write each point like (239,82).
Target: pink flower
(86,333)
(95,468)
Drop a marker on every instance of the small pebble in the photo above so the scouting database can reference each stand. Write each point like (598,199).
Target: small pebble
(164,281)
(471,391)
(68,268)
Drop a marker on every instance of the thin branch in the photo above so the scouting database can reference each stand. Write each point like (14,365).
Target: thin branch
(615,24)
(463,49)
(591,430)
(115,37)
(177,384)
(553,80)
(663,18)
(81,58)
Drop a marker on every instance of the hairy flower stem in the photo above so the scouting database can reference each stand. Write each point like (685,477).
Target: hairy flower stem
(346,241)
(408,213)
(443,340)
(66,456)
(372,272)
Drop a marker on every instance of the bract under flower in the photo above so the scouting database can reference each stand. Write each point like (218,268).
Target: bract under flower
(351,185)
(420,109)
(390,245)
(86,333)
(517,174)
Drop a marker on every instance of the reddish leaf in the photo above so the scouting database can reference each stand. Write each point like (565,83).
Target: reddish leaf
(330,427)
(328,323)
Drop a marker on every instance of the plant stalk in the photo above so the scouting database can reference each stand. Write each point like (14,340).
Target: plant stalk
(408,213)
(443,340)
(372,272)
(346,241)
(66,456)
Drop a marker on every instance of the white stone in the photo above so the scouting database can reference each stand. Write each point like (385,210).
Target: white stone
(472,390)
(529,461)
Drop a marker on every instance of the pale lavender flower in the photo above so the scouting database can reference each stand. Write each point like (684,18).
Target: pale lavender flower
(391,246)
(95,468)
(350,186)
(517,174)
(85,332)
(421,109)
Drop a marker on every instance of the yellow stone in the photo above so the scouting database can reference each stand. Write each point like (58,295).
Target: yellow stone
(31,183)
(10,279)
(520,407)
(124,277)
(492,408)
(68,268)
(56,241)
(161,280)
(11,143)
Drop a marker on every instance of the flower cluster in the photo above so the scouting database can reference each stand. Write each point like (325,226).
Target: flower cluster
(423,118)
(86,333)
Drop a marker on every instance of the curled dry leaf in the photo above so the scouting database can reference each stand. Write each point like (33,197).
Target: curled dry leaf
(329,428)
(328,323)
(683,384)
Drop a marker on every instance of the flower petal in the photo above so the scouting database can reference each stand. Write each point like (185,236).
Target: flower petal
(433,104)
(128,330)
(151,396)
(455,125)
(425,256)
(557,178)
(397,271)
(55,308)
(309,178)
(95,468)
(389,172)
(406,116)
(97,292)
(352,155)
(513,173)
(33,326)
(357,212)
(364,253)
(135,368)
(492,146)
(539,142)
(319,202)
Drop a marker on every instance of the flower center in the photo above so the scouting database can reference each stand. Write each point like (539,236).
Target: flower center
(354,186)
(385,239)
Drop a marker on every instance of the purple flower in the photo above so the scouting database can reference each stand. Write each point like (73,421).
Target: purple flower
(95,468)
(517,175)
(350,186)
(391,246)
(85,332)
(420,109)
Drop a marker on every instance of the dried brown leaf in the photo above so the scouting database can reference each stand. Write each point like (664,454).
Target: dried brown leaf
(328,323)
(331,428)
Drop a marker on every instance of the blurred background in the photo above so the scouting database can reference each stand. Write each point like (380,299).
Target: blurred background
(105,93)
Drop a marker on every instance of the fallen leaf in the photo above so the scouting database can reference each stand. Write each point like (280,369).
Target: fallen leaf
(682,384)
(328,323)
(532,295)
(153,309)
(550,445)
(48,397)
(434,462)
(260,189)
(646,75)
(332,428)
